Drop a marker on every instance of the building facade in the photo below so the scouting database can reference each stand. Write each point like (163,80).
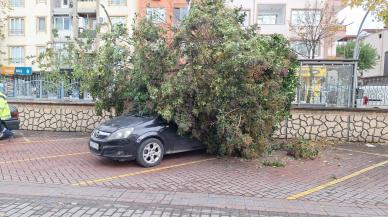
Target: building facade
(276,16)
(166,12)
(34,25)
(379,40)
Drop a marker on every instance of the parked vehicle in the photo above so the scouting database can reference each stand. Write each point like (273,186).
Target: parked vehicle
(14,122)
(146,139)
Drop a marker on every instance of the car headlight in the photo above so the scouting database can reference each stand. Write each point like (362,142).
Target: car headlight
(121,134)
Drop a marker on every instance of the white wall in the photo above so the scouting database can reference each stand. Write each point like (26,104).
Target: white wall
(381,45)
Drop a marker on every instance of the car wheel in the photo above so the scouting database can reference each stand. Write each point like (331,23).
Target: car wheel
(150,152)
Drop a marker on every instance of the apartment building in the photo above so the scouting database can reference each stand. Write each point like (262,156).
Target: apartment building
(26,33)
(379,40)
(34,25)
(166,12)
(273,16)
(276,16)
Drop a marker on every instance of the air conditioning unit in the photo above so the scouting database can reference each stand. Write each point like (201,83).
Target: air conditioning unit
(101,20)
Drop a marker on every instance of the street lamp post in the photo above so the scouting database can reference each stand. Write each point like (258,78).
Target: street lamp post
(356,55)
(188,5)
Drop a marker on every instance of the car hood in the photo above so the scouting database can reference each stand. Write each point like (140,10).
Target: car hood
(122,122)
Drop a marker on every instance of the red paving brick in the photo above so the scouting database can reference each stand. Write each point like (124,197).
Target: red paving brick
(221,176)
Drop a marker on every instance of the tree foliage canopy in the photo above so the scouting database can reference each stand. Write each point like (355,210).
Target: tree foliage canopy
(223,84)
(315,24)
(367,58)
(378,7)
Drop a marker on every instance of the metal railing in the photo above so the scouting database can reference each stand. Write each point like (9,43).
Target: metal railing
(39,87)
(372,92)
(13,32)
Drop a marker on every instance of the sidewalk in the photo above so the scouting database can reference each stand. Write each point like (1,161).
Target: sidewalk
(184,201)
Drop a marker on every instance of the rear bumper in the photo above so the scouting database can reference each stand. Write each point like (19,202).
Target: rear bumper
(13,124)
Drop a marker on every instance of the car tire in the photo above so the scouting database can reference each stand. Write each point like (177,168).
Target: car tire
(150,153)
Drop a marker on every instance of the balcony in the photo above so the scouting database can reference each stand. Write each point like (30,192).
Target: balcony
(63,7)
(16,32)
(87,7)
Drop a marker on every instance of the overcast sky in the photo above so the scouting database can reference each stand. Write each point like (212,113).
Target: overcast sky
(353,16)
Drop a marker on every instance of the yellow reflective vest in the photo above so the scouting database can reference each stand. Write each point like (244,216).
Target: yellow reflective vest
(5,113)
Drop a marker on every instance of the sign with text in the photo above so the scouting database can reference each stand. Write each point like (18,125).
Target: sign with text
(23,70)
(7,70)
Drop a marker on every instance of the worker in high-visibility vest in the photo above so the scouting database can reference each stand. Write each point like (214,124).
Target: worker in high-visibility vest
(5,113)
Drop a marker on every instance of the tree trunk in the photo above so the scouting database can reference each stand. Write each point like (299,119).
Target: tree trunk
(311,77)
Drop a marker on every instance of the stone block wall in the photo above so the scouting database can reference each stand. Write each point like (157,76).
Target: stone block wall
(357,125)
(58,116)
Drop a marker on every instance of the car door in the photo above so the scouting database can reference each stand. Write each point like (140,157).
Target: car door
(184,142)
(177,142)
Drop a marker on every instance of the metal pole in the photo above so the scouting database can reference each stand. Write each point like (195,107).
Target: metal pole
(106,13)
(356,52)
(40,87)
(355,84)
(188,5)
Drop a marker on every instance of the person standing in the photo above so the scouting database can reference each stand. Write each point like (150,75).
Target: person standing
(5,113)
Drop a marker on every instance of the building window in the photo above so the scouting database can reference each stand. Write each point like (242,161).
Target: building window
(61,53)
(41,1)
(62,23)
(17,55)
(40,50)
(305,17)
(61,3)
(179,15)
(157,15)
(16,26)
(118,20)
(271,14)
(17,3)
(302,49)
(41,21)
(117,2)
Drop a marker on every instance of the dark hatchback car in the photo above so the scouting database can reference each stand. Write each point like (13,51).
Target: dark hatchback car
(146,139)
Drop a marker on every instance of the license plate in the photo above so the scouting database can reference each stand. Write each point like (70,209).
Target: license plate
(94,145)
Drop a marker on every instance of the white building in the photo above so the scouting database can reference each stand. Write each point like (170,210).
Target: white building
(379,40)
(276,16)
(30,25)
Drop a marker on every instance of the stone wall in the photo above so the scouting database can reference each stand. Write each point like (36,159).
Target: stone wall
(357,125)
(58,116)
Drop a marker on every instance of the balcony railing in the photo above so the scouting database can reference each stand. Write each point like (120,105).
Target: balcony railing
(13,32)
(15,60)
(89,6)
(16,3)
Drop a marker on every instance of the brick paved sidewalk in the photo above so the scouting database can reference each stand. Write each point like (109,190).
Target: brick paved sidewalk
(183,201)
(42,206)
(58,166)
